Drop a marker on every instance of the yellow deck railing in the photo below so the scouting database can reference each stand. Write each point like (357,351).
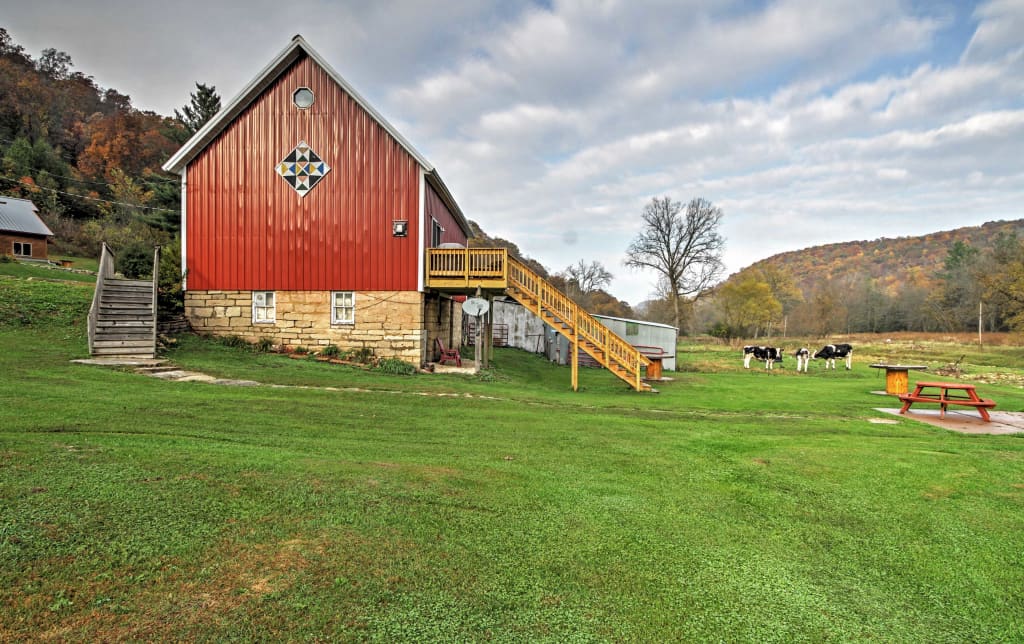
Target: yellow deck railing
(454,267)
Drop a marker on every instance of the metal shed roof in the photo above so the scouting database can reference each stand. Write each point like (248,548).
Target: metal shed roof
(641,322)
(19,216)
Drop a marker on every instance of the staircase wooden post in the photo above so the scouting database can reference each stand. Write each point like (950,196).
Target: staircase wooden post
(156,291)
(575,349)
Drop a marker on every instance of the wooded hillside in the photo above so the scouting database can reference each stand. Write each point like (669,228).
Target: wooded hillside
(84,155)
(955,281)
(890,262)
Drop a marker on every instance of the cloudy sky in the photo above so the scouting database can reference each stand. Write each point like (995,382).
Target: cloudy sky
(553,123)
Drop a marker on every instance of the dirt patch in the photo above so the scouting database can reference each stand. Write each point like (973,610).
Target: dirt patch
(937,492)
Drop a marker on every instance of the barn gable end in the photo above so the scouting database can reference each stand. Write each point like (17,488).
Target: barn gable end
(254,226)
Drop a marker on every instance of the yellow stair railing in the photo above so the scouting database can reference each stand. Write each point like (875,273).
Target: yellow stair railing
(493,268)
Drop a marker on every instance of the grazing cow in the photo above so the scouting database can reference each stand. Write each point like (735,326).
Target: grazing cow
(748,353)
(830,352)
(770,355)
(803,358)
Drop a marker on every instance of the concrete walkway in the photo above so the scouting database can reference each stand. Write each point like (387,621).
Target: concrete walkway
(160,369)
(966,422)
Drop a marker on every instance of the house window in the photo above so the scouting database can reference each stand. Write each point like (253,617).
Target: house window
(21,249)
(632,328)
(343,307)
(264,308)
(435,233)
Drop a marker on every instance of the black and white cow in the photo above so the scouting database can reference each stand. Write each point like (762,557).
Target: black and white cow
(770,355)
(748,353)
(803,358)
(830,352)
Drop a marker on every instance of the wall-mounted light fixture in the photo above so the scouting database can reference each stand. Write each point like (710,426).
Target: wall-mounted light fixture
(400,228)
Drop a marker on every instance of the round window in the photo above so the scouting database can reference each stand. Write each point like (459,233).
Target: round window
(303,98)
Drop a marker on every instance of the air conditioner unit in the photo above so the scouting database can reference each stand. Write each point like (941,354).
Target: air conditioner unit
(259,298)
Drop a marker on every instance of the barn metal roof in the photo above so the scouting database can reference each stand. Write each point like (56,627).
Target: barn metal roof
(295,49)
(19,216)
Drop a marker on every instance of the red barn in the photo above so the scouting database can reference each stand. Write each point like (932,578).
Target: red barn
(306,217)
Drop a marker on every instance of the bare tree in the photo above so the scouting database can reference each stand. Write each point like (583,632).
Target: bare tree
(684,248)
(587,278)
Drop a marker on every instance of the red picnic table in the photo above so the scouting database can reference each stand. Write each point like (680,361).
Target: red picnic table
(942,397)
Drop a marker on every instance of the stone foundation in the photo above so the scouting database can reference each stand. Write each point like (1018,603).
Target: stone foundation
(391,323)
(443,317)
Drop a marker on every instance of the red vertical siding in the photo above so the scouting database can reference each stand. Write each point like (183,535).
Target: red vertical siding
(248,229)
(434,208)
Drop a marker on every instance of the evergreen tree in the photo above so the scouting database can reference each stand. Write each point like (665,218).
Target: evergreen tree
(203,104)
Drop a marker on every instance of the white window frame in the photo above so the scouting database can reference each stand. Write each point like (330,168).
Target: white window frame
(436,233)
(26,249)
(269,311)
(337,309)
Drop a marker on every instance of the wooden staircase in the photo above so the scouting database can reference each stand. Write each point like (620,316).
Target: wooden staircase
(122,320)
(583,330)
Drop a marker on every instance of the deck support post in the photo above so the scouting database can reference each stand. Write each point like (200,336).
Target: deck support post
(489,330)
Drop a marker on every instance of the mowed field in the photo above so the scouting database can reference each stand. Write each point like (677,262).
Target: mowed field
(354,505)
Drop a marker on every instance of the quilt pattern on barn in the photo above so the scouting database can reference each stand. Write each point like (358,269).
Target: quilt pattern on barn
(302,168)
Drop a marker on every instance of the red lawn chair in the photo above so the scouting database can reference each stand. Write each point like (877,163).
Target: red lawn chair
(448,354)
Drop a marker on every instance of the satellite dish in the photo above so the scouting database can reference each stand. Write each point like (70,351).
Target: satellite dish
(475,306)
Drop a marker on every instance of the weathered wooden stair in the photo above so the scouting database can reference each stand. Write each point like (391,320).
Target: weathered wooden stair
(494,269)
(122,320)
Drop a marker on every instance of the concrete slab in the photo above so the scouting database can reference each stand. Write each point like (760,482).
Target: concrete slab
(444,368)
(966,422)
(121,362)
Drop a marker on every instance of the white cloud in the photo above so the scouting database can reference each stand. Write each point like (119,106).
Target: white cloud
(553,124)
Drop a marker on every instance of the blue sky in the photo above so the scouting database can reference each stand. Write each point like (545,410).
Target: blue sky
(553,123)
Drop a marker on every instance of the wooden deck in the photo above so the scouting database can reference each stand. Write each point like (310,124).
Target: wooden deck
(465,269)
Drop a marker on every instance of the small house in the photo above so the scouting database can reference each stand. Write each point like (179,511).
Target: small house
(306,218)
(22,233)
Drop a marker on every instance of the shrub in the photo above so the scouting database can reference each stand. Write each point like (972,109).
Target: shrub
(233,341)
(331,351)
(721,330)
(395,367)
(136,261)
(362,355)
(170,297)
(263,345)
(300,351)
(5,258)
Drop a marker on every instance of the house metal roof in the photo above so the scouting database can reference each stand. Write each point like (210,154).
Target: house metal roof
(19,216)
(295,49)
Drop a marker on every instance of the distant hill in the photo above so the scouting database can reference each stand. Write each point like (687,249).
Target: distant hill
(891,262)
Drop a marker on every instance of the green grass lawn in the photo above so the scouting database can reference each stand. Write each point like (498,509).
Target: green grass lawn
(42,271)
(735,505)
